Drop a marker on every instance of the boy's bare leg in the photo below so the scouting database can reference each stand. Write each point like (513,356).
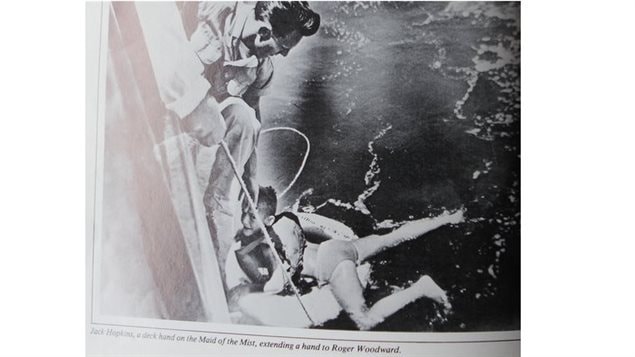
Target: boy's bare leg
(348,292)
(430,289)
(371,245)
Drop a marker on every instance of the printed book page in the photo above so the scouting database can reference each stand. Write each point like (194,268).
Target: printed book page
(303,178)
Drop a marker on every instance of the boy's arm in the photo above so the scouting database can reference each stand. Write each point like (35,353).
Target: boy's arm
(417,228)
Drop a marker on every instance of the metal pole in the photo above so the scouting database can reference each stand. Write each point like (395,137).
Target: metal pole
(252,205)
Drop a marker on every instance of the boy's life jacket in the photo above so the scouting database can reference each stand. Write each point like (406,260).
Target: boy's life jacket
(255,256)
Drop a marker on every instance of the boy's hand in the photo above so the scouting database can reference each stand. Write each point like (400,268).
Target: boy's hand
(456,217)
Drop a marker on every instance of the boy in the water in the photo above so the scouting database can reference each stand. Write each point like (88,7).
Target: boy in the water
(334,262)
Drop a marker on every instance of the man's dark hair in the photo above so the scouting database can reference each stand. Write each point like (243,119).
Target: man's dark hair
(288,16)
(268,200)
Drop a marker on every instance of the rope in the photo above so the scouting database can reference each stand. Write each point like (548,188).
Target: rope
(262,226)
(306,154)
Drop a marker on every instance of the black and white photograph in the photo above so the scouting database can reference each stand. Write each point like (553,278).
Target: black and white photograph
(323,165)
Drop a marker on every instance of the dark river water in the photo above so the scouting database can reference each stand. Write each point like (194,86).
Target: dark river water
(410,109)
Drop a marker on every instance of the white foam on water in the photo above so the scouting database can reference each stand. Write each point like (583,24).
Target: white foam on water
(374,165)
(295,207)
(388,223)
(504,56)
(490,270)
(492,54)
(359,204)
(337,203)
(488,10)
(371,184)
(472,78)
(474,131)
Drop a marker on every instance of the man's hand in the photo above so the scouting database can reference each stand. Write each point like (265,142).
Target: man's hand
(206,123)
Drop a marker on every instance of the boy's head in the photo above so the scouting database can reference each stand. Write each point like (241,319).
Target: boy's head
(266,206)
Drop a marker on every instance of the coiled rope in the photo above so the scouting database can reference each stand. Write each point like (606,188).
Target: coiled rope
(304,159)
